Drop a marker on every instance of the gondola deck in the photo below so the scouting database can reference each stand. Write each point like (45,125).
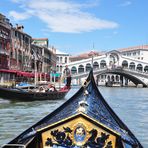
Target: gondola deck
(85,120)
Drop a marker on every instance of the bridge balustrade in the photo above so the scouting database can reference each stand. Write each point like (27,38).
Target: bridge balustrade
(136,71)
(109,68)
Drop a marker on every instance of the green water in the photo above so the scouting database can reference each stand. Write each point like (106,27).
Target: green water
(130,104)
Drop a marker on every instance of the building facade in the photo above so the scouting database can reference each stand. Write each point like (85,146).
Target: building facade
(48,54)
(20,55)
(5,48)
(61,59)
(37,58)
(136,52)
(5,42)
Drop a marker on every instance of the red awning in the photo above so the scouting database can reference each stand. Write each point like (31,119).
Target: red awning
(25,74)
(8,71)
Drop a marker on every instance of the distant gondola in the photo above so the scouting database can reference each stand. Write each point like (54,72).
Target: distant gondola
(85,120)
(22,94)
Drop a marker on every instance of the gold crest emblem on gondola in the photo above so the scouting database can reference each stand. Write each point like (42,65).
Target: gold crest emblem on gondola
(79,131)
(79,134)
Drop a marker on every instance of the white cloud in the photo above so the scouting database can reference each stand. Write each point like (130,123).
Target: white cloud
(17,1)
(18,16)
(62,16)
(126,3)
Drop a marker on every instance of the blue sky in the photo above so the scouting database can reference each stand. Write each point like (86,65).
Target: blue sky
(73,26)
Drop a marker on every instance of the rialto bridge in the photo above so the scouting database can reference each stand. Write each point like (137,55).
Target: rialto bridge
(111,68)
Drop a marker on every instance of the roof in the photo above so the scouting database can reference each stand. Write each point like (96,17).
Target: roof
(42,39)
(60,52)
(85,55)
(145,47)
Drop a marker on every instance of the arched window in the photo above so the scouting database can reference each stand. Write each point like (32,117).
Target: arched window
(57,59)
(65,59)
(139,67)
(124,64)
(88,67)
(102,64)
(108,78)
(61,60)
(95,65)
(117,78)
(23,57)
(146,68)
(73,70)
(57,68)
(60,68)
(15,54)
(19,55)
(81,69)
(132,66)
(112,78)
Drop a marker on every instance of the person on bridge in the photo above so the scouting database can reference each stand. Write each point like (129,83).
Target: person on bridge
(67,75)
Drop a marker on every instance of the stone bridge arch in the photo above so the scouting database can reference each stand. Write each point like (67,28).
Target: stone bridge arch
(121,72)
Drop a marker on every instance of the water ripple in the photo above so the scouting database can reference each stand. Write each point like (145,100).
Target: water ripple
(130,104)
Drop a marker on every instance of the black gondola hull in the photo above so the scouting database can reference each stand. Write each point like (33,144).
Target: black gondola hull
(14,94)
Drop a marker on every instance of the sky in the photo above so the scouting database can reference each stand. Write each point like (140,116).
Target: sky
(78,26)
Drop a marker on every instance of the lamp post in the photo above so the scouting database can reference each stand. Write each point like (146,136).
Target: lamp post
(35,70)
(51,74)
(35,66)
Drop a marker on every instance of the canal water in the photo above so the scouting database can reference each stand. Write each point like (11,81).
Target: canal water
(130,104)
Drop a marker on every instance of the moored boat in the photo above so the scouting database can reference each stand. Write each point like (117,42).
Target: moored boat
(85,120)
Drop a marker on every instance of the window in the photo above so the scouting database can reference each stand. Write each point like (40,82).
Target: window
(124,64)
(11,54)
(128,54)
(15,34)
(0,61)
(65,59)
(102,64)
(134,53)
(1,44)
(60,59)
